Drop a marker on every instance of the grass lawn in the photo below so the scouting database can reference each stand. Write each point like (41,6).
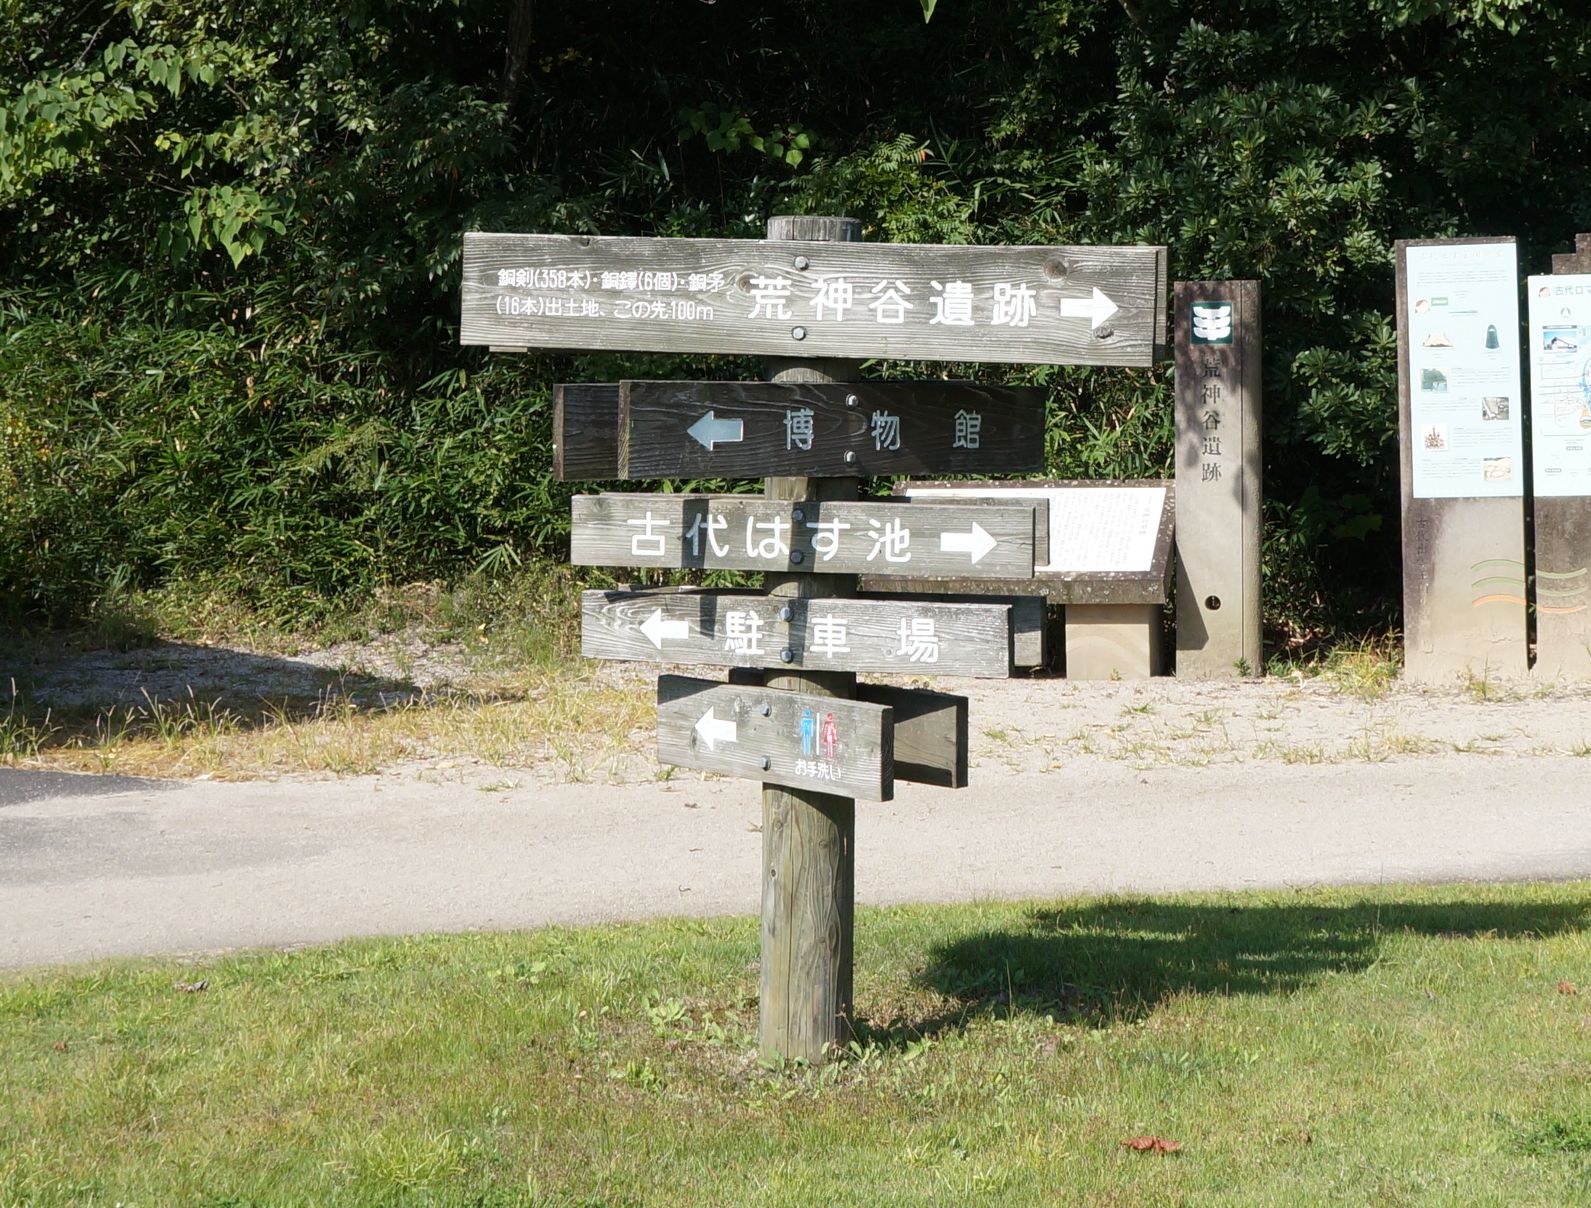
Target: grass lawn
(1387,1046)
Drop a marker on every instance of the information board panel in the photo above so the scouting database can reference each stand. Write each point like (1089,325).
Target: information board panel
(1460,325)
(1460,459)
(1560,383)
(1108,542)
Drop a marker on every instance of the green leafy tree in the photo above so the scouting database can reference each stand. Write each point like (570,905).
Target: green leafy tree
(229,240)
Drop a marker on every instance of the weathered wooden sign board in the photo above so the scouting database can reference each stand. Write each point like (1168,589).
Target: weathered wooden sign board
(790,298)
(727,629)
(778,737)
(1104,542)
(752,532)
(1107,558)
(585,431)
(930,729)
(1029,613)
(754,429)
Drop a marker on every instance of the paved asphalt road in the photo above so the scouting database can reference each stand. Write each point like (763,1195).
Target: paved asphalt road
(94,867)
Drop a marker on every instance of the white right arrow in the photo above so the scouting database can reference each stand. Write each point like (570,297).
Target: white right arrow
(977,543)
(1096,308)
(657,630)
(710,431)
(713,730)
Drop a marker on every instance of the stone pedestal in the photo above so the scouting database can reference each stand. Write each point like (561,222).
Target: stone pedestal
(1112,641)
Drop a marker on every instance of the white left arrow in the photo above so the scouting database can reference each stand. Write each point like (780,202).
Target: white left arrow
(710,431)
(976,542)
(713,730)
(1096,308)
(658,630)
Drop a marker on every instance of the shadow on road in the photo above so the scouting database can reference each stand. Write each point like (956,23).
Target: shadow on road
(19,787)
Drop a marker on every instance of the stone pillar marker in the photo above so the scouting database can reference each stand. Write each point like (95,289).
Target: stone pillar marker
(1217,345)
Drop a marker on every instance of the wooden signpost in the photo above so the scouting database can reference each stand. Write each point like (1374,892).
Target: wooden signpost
(788,738)
(750,429)
(815,301)
(751,532)
(816,298)
(732,629)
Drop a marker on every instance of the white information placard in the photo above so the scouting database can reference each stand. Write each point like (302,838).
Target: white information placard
(1560,383)
(1462,328)
(1093,530)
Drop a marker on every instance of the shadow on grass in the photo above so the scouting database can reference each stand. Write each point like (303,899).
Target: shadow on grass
(1115,961)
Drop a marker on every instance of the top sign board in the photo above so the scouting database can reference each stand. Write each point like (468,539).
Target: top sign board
(790,298)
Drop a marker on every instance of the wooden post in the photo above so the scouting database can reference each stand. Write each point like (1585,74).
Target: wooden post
(1561,590)
(808,838)
(1219,479)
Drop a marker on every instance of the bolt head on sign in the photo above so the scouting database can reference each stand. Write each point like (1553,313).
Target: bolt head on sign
(1048,305)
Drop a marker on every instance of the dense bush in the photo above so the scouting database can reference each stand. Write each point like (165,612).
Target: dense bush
(229,240)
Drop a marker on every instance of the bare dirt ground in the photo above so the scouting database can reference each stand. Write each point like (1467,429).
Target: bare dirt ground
(1028,724)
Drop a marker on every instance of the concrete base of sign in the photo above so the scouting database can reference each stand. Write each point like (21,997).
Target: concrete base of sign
(1112,641)
(1463,589)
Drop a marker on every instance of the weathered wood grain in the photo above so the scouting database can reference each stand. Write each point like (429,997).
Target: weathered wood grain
(748,532)
(734,630)
(756,429)
(585,432)
(1029,613)
(1058,575)
(930,733)
(783,298)
(1219,485)
(808,838)
(930,728)
(797,739)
